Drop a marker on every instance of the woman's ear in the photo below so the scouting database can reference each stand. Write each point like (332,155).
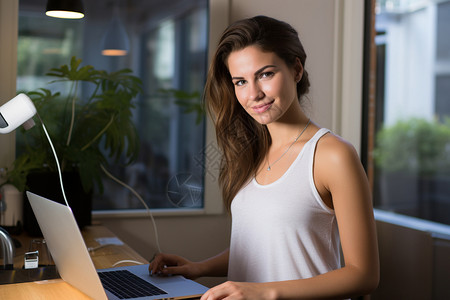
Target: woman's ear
(298,70)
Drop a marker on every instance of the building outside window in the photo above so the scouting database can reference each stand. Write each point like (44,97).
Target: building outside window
(412,122)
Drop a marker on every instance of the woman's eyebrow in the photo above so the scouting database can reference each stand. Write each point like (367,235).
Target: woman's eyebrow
(256,73)
(263,68)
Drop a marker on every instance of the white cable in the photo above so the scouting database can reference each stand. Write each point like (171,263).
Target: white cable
(57,162)
(140,199)
(127,261)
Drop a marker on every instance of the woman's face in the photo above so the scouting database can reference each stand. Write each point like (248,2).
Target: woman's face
(264,85)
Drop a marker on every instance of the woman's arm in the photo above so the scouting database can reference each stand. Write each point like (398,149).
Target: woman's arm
(338,176)
(170,264)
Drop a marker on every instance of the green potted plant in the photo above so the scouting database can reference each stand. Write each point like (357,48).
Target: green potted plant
(416,146)
(413,162)
(90,127)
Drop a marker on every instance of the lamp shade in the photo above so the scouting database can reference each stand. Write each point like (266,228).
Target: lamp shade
(67,9)
(15,112)
(115,40)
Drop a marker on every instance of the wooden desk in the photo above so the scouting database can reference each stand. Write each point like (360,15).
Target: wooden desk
(104,257)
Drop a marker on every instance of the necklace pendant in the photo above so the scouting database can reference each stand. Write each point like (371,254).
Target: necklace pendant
(268,168)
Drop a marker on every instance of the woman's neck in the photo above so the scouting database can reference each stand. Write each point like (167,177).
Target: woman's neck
(286,129)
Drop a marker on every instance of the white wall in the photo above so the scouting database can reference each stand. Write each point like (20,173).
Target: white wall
(8,62)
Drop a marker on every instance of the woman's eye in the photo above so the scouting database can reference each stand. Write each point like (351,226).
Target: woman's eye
(266,75)
(239,82)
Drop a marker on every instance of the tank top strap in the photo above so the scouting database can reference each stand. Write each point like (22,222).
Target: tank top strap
(320,133)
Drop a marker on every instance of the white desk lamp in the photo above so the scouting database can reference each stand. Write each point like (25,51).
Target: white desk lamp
(17,111)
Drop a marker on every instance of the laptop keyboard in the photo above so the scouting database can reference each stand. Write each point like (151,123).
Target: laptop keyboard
(125,285)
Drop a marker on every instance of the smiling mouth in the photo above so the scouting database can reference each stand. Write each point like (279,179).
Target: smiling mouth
(263,107)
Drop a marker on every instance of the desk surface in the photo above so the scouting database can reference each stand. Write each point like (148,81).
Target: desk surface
(104,257)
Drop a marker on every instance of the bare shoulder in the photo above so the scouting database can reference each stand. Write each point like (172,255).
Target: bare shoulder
(338,170)
(336,162)
(334,149)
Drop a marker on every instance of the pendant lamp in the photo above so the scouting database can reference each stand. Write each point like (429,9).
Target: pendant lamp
(66,9)
(115,41)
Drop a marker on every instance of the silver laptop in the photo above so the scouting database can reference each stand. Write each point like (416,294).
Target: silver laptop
(75,266)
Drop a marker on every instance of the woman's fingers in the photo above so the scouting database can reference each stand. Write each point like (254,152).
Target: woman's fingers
(167,264)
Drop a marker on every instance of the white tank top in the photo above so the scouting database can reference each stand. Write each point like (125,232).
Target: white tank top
(283,230)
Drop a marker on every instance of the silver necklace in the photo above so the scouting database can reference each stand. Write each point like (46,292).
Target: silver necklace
(296,139)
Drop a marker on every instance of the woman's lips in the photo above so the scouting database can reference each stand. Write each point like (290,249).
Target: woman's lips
(262,108)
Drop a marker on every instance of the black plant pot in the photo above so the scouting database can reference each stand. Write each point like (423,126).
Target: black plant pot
(46,184)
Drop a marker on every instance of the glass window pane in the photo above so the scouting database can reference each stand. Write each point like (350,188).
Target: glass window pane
(168,52)
(43,47)
(412,151)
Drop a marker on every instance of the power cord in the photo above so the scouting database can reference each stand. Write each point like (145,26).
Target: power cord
(57,160)
(127,261)
(140,199)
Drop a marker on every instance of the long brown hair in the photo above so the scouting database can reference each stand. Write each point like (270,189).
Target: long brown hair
(243,141)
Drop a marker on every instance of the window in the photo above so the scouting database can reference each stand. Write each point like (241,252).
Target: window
(411,153)
(169,53)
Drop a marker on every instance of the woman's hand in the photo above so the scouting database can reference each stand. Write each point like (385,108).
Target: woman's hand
(239,291)
(170,264)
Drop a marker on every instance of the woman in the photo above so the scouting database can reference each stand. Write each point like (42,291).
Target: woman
(288,184)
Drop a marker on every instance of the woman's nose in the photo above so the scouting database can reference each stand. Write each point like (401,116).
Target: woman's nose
(255,92)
